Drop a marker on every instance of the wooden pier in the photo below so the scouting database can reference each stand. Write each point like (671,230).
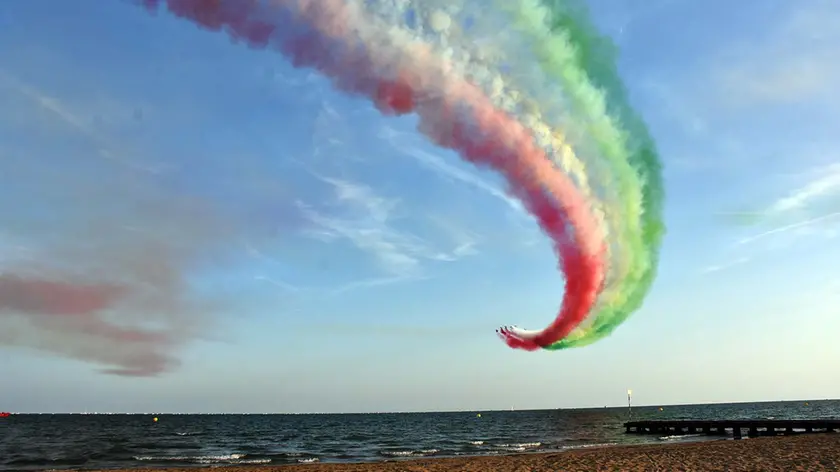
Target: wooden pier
(720,427)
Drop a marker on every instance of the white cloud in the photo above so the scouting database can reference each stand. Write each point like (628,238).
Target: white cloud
(373,283)
(804,227)
(797,215)
(278,283)
(728,265)
(826,183)
(368,221)
(780,238)
(801,209)
(466,242)
(334,140)
(800,213)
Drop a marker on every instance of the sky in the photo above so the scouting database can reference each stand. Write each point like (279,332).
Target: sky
(305,253)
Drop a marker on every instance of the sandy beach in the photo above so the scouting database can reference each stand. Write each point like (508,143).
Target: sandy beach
(814,452)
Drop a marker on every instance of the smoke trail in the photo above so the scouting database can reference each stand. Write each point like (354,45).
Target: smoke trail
(104,274)
(439,26)
(401,76)
(56,311)
(621,164)
(595,56)
(479,55)
(53,297)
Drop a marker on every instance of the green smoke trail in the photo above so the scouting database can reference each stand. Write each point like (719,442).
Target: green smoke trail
(584,62)
(597,56)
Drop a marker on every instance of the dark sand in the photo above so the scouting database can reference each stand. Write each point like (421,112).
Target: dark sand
(785,454)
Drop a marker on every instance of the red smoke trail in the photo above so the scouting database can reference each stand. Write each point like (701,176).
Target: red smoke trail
(324,35)
(78,305)
(18,294)
(72,308)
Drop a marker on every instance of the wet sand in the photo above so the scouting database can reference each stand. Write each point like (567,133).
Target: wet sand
(812,452)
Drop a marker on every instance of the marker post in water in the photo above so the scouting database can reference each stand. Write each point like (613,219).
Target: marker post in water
(629,405)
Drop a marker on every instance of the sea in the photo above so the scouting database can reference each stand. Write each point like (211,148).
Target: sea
(99,441)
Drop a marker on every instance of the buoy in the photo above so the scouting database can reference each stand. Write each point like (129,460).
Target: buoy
(478,415)
(155,420)
(660,408)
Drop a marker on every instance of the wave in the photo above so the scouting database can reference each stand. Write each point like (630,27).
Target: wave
(677,437)
(410,453)
(519,447)
(210,459)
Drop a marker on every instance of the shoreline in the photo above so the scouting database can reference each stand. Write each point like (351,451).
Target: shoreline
(812,452)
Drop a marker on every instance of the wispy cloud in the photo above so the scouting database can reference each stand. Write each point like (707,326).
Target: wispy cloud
(374,283)
(402,142)
(334,140)
(278,283)
(800,225)
(466,242)
(806,211)
(106,148)
(792,62)
(391,331)
(365,222)
(368,221)
(408,145)
(817,226)
(728,265)
(826,183)
(802,209)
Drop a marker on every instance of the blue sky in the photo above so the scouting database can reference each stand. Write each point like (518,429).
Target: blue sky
(336,261)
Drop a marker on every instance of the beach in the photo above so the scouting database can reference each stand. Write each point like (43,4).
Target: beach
(812,452)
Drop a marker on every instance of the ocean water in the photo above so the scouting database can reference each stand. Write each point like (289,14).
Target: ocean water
(38,442)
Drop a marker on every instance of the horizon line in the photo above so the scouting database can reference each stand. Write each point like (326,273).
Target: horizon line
(652,405)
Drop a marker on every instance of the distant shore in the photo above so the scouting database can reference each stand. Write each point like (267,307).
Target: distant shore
(806,452)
